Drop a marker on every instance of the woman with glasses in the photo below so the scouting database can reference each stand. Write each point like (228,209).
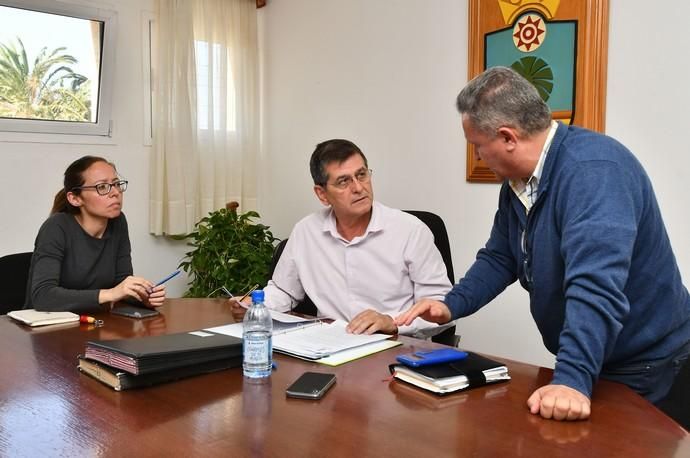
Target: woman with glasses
(81,261)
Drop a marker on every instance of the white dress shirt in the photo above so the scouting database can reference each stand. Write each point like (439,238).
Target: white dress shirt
(389,268)
(527,190)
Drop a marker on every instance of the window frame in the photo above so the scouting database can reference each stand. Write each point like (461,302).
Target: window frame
(103,125)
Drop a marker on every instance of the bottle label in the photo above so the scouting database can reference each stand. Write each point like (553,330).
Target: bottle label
(256,350)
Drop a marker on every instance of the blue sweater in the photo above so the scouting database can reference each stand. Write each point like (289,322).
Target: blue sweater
(605,289)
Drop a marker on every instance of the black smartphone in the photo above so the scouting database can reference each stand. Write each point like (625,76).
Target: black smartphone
(311,385)
(132,311)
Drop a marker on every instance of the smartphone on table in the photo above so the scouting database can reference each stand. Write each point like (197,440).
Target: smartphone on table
(429,357)
(132,311)
(311,385)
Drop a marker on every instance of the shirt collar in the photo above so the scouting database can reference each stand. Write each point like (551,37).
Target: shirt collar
(545,150)
(519,185)
(375,224)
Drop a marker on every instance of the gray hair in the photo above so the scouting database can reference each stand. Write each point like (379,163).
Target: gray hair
(501,97)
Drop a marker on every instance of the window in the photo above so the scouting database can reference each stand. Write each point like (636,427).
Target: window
(215,103)
(56,66)
(211,66)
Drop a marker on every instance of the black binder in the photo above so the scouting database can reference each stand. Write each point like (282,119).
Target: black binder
(473,371)
(144,355)
(120,380)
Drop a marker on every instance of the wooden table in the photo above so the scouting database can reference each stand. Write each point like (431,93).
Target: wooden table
(47,408)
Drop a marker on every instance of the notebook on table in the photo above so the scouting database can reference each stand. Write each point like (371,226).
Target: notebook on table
(473,371)
(33,317)
(120,380)
(145,355)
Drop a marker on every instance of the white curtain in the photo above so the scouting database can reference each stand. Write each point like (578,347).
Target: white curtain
(205,142)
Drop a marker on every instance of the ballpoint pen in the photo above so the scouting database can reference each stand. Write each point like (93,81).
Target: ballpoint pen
(172,275)
(251,290)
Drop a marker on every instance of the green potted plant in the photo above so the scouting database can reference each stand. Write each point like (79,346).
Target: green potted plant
(230,250)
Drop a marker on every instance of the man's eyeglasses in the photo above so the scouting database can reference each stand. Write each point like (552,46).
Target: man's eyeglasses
(362,176)
(103,189)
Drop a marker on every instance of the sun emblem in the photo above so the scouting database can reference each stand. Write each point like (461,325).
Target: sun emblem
(529,32)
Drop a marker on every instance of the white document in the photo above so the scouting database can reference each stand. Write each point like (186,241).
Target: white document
(352,354)
(316,342)
(286,318)
(310,339)
(234,329)
(282,322)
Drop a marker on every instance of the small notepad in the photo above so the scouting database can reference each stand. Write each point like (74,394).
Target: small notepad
(33,317)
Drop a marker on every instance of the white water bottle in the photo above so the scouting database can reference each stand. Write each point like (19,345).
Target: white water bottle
(257,334)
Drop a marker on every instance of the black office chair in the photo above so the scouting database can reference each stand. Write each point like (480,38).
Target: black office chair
(676,404)
(14,275)
(438,229)
(305,307)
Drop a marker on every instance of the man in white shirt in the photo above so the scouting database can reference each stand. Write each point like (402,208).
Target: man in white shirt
(356,259)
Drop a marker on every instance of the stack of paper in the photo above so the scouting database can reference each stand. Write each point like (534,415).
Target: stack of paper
(282,322)
(328,343)
(320,341)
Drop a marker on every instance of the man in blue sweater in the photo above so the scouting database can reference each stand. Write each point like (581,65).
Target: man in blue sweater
(579,226)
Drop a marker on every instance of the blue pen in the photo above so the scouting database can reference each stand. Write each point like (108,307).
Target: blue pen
(172,275)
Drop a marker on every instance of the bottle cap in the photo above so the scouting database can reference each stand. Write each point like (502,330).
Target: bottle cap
(258,295)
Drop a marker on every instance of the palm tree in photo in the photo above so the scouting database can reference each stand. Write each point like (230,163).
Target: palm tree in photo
(46,89)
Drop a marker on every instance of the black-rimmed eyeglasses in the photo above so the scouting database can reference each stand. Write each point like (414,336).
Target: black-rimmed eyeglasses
(103,189)
(362,176)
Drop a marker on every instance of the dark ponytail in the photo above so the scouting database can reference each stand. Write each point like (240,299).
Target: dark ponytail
(74,177)
(60,204)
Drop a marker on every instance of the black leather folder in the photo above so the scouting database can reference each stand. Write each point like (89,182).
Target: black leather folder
(120,380)
(444,378)
(144,355)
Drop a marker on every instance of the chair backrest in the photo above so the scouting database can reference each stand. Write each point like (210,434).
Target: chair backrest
(438,228)
(14,275)
(305,307)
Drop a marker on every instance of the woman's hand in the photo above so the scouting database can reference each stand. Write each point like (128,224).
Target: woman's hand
(135,287)
(156,297)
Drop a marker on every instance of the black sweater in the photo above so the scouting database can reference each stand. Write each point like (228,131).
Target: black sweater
(69,266)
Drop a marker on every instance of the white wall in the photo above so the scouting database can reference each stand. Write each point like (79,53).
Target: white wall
(385,74)
(31,171)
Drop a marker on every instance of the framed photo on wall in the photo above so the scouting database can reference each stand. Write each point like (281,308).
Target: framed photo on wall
(560,46)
